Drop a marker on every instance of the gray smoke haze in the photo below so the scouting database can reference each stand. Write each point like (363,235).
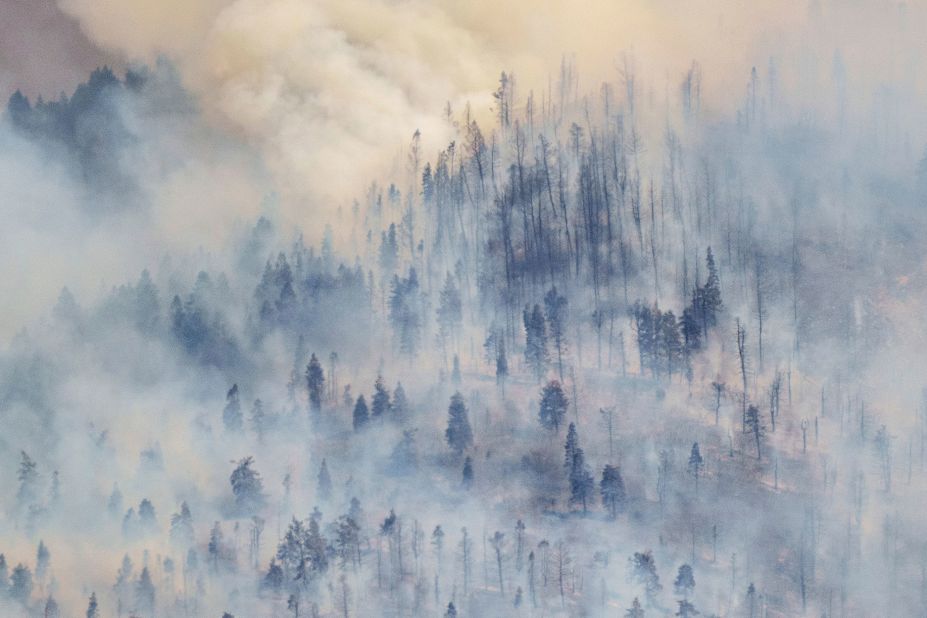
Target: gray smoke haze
(43,50)
(180,242)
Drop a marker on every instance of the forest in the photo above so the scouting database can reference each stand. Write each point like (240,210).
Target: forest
(613,349)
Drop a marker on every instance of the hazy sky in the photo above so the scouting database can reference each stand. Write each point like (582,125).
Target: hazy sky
(43,51)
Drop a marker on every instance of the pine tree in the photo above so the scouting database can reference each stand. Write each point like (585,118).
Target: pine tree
(685,582)
(28,477)
(536,341)
(360,415)
(247,487)
(695,463)
(231,415)
(636,610)
(380,405)
(449,313)
(273,579)
(570,446)
(711,292)
(582,484)
(556,307)
(315,384)
(51,608)
(182,526)
(754,424)
(215,546)
(93,609)
(670,344)
(612,489)
(459,436)
(147,305)
(646,328)
(751,601)
(644,572)
(146,516)
(468,473)
(502,365)
(4,576)
(42,560)
(21,583)
(686,609)
(553,406)
(145,594)
(401,409)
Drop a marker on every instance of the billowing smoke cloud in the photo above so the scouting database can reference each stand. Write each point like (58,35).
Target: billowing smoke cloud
(330,90)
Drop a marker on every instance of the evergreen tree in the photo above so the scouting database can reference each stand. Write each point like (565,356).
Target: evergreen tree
(612,489)
(182,526)
(711,293)
(231,415)
(42,560)
(536,341)
(636,610)
(273,579)
(670,344)
(502,365)
(145,594)
(459,436)
(754,425)
(28,476)
(405,312)
(645,334)
(51,608)
(380,404)
(686,609)
(449,313)
(147,305)
(93,609)
(685,581)
(215,547)
(146,516)
(582,485)
(570,446)
(315,383)
(389,249)
(468,473)
(555,305)
(21,583)
(360,415)
(4,576)
(123,584)
(400,408)
(247,487)
(644,572)
(695,463)
(751,601)
(553,406)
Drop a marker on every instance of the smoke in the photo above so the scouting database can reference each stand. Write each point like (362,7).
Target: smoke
(49,64)
(328,91)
